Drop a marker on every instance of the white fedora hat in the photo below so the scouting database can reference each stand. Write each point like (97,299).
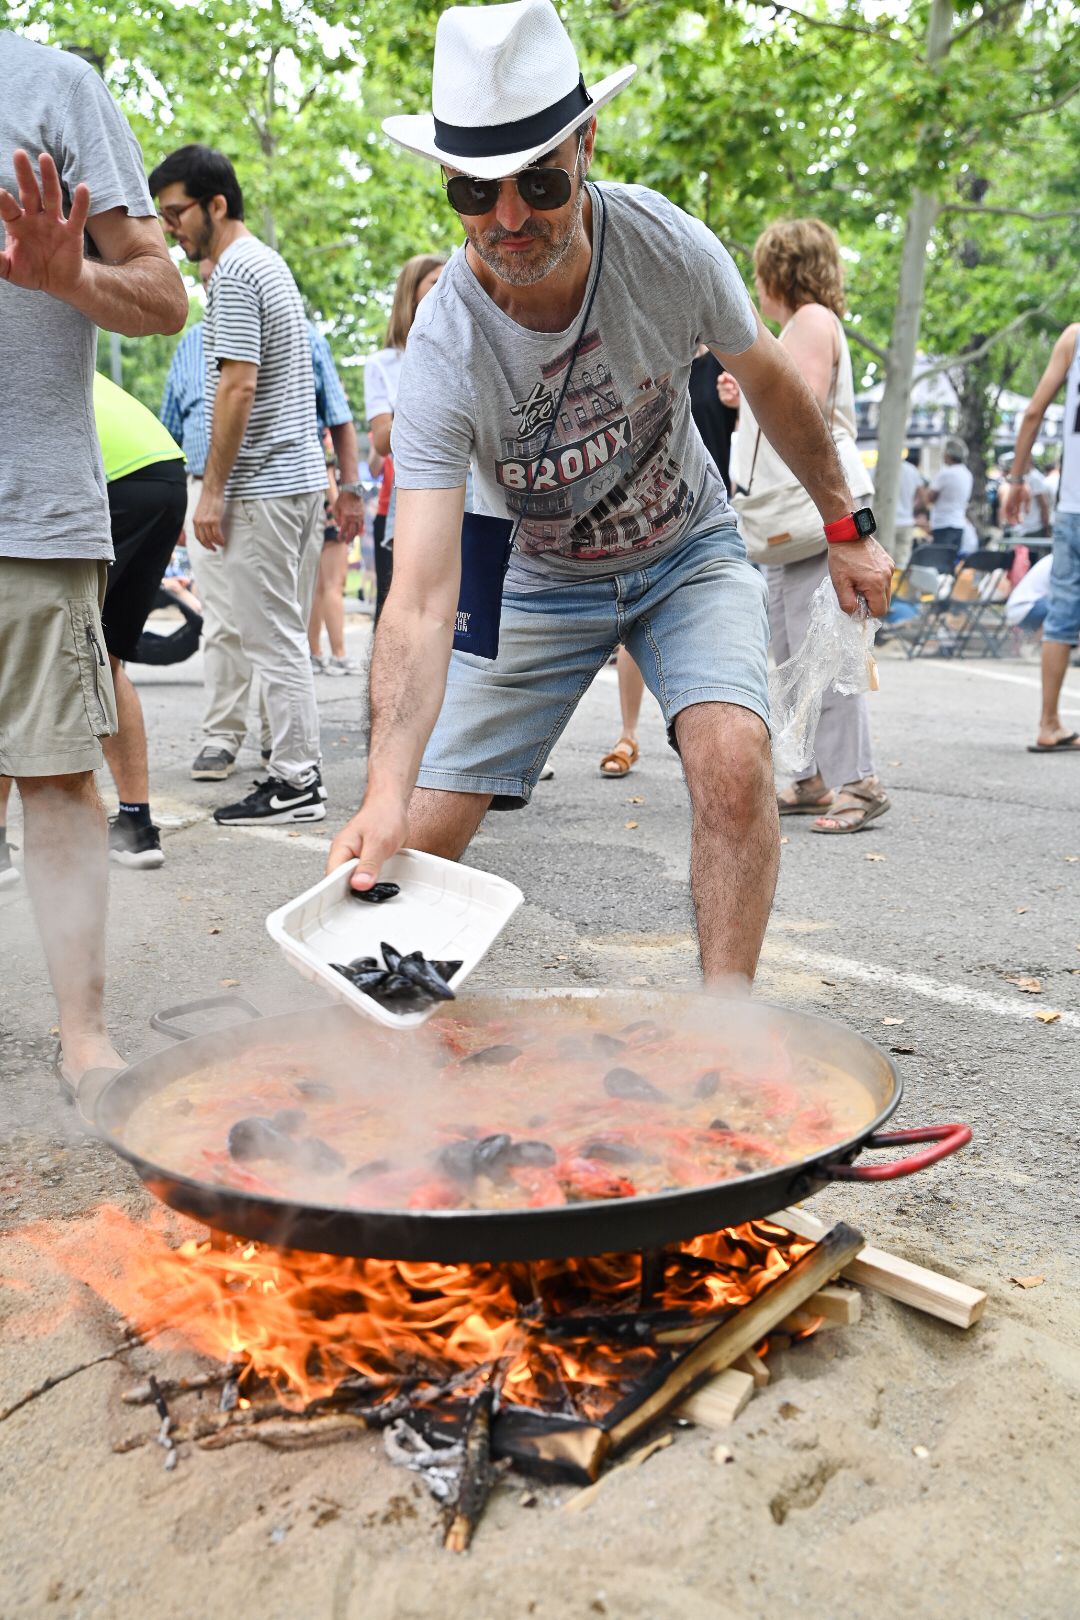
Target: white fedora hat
(505,89)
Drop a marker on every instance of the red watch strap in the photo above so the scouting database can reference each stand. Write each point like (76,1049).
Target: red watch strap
(842,529)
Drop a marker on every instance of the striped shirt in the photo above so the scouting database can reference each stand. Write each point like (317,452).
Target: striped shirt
(254,315)
(183,404)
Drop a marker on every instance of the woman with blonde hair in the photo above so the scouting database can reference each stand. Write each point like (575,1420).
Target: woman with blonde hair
(800,285)
(415,280)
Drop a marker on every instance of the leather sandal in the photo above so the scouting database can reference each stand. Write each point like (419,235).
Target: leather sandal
(860,802)
(622,758)
(804,803)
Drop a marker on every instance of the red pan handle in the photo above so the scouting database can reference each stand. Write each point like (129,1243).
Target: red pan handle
(946,1139)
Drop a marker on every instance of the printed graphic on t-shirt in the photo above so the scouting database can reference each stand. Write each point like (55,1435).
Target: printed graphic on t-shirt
(608,481)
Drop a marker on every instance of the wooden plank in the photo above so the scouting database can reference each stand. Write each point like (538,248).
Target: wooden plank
(756,1367)
(719,1402)
(836,1304)
(577,1503)
(925,1290)
(727,1342)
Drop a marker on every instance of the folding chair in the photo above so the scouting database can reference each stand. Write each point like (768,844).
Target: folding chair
(925,584)
(982,617)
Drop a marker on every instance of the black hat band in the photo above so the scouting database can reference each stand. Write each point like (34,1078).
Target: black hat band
(491,140)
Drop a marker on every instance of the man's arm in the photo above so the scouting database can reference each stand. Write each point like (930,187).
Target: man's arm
(408,673)
(348,508)
(135,291)
(1016,496)
(232,407)
(791,419)
(380,431)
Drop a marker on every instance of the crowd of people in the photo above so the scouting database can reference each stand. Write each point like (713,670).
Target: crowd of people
(551,418)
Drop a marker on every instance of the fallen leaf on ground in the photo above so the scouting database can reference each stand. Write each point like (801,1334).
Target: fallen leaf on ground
(230,984)
(292,835)
(892,1020)
(213,930)
(903,1051)
(630,825)
(830,982)
(1024,981)
(1072,858)
(1027,1282)
(785,840)
(1047,1017)
(635,801)
(895,762)
(185,899)
(873,857)
(1020,910)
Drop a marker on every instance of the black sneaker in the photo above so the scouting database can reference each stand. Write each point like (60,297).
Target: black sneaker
(9,875)
(132,845)
(212,764)
(273,801)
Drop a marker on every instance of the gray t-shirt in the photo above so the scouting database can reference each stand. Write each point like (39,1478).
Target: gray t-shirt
(52,485)
(254,313)
(626,475)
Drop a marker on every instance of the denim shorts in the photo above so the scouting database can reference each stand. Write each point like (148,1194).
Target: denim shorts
(694,621)
(1063,614)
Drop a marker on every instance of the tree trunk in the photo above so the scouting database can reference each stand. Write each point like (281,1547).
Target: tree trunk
(973,382)
(900,365)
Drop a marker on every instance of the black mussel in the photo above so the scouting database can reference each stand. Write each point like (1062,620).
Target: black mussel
(446,970)
(606,1045)
(538,1155)
(377,894)
(289,1120)
(259,1138)
(489,1154)
(490,1055)
(457,1160)
(420,972)
(316,1090)
(374,1167)
(610,1152)
(630,1086)
(360,964)
(340,967)
(707,1084)
(318,1156)
(390,956)
(719,1125)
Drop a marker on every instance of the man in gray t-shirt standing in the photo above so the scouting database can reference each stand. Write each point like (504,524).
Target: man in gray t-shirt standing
(69,165)
(553,356)
(265,476)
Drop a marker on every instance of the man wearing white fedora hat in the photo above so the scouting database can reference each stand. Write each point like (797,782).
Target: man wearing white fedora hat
(552,357)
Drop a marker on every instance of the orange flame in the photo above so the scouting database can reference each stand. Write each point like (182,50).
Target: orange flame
(306,1321)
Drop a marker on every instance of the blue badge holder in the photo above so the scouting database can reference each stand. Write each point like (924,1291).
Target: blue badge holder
(486,542)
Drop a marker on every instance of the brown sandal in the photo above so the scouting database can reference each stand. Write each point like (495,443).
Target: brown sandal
(623,757)
(805,804)
(858,800)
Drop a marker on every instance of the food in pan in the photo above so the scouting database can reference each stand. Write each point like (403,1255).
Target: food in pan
(549,1108)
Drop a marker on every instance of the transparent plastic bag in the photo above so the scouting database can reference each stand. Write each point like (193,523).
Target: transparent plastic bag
(837,652)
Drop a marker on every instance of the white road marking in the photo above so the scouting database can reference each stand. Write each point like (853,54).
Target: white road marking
(1000,675)
(918,984)
(283,835)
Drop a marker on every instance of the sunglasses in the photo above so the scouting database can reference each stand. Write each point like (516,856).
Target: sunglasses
(542,189)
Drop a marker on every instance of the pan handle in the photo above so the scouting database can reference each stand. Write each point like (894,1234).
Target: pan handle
(161,1020)
(946,1139)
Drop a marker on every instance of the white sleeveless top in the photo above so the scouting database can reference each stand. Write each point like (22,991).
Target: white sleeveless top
(771,470)
(1069,486)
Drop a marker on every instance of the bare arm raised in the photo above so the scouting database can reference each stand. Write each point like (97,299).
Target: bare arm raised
(136,290)
(791,419)
(408,673)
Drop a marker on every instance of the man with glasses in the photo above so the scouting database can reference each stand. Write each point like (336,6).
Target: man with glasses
(553,356)
(265,475)
(79,248)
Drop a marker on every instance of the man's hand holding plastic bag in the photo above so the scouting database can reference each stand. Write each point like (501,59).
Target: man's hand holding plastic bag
(861,569)
(838,651)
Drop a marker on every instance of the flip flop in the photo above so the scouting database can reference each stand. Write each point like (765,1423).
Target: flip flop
(1064,745)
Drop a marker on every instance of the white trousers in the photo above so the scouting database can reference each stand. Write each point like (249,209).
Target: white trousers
(228,670)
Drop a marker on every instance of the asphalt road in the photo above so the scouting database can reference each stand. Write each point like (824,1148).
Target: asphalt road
(972,877)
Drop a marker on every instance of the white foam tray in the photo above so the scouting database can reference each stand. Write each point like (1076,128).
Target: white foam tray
(448,911)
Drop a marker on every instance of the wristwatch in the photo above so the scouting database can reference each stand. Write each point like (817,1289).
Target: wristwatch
(855,526)
(351,489)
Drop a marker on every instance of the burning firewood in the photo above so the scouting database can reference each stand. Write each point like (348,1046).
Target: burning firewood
(477,1474)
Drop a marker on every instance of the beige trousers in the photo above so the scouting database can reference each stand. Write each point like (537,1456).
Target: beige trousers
(227,670)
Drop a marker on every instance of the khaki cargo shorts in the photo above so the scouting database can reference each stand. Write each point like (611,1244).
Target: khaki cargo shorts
(56,690)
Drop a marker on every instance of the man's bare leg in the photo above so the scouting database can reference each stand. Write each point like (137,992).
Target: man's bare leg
(735,841)
(1055,665)
(125,753)
(66,873)
(444,823)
